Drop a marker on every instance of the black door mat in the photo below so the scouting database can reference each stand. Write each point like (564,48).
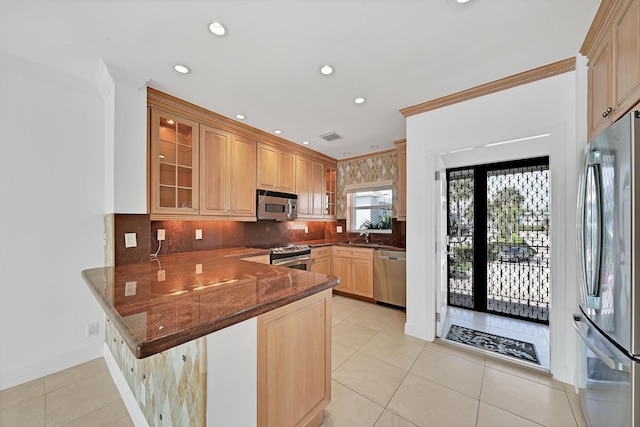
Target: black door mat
(506,346)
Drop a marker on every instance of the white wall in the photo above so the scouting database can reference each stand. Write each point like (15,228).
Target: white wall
(52,193)
(546,106)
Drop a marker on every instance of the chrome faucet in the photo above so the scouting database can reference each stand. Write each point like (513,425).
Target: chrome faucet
(366,236)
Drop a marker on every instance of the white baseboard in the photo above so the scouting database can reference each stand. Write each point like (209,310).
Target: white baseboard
(125,392)
(30,373)
(418,332)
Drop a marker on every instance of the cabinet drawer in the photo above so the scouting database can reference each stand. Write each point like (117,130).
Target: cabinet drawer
(362,253)
(320,252)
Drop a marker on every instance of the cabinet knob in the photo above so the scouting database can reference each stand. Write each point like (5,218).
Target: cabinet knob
(606,113)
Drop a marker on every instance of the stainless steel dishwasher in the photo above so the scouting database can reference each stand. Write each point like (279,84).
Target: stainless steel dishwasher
(390,277)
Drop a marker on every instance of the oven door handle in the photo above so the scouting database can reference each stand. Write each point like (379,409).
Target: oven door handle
(291,260)
(613,364)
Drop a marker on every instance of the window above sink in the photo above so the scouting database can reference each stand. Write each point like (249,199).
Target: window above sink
(369,207)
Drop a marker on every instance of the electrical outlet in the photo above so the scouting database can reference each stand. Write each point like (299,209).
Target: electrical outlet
(160,234)
(198,268)
(161,276)
(306,230)
(130,240)
(92,329)
(198,234)
(339,229)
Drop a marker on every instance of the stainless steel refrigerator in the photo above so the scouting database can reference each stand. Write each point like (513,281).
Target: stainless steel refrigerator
(608,323)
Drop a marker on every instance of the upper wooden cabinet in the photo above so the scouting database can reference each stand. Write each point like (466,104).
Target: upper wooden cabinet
(227,179)
(205,166)
(174,164)
(310,187)
(401,145)
(613,49)
(329,192)
(276,169)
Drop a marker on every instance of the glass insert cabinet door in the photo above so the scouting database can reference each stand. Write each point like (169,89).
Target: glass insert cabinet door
(174,165)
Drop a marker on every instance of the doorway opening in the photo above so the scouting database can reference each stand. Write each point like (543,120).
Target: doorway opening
(499,247)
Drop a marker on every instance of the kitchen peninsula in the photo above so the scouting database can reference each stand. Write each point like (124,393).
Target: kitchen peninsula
(206,338)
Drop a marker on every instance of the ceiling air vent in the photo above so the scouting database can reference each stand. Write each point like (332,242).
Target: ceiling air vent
(331,136)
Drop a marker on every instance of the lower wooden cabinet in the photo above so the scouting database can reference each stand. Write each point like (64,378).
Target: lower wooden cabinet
(294,362)
(321,260)
(354,266)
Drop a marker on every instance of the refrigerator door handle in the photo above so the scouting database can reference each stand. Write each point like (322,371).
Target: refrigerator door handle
(592,276)
(613,364)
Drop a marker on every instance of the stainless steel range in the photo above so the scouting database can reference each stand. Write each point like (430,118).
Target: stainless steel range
(292,256)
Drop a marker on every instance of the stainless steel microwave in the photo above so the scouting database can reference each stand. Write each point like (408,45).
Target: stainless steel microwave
(272,205)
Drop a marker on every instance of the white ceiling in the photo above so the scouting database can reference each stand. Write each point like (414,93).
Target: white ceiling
(395,53)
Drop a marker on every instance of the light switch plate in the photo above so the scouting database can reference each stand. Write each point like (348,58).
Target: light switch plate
(339,229)
(306,230)
(130,240)
(198,268)
(198,234)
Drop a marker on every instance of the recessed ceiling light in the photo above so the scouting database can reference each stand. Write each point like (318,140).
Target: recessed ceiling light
(305,142)
(359,100)
(182,69)
(462,1)
(277,131)
(240,116)
(217,29)
(347,152)
(374,146)
(326,70)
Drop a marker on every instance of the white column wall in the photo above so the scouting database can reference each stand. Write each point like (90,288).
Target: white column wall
(52,188)
(545,106)
(125,121)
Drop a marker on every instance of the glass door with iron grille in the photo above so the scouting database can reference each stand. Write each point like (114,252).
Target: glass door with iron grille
(499,243)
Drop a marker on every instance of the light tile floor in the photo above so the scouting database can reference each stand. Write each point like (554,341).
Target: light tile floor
(381,378)
(384,378)
(521,330)
(82,396)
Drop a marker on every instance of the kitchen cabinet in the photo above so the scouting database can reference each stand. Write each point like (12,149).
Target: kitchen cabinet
(329,192)
(309,187)
(227,164)
(276,169)
(321,260)
(354,266)
(401,190)
(173,165)
(614,63)
(294,362)
(203,166)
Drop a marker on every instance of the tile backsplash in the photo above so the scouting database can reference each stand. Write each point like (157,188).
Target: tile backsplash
(371,169)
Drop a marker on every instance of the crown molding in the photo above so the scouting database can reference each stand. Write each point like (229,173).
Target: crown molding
(599,26)
(160,100)
(550,70)
(369,155)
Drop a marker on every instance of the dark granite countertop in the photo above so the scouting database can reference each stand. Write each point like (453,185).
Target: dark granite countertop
(181,297)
